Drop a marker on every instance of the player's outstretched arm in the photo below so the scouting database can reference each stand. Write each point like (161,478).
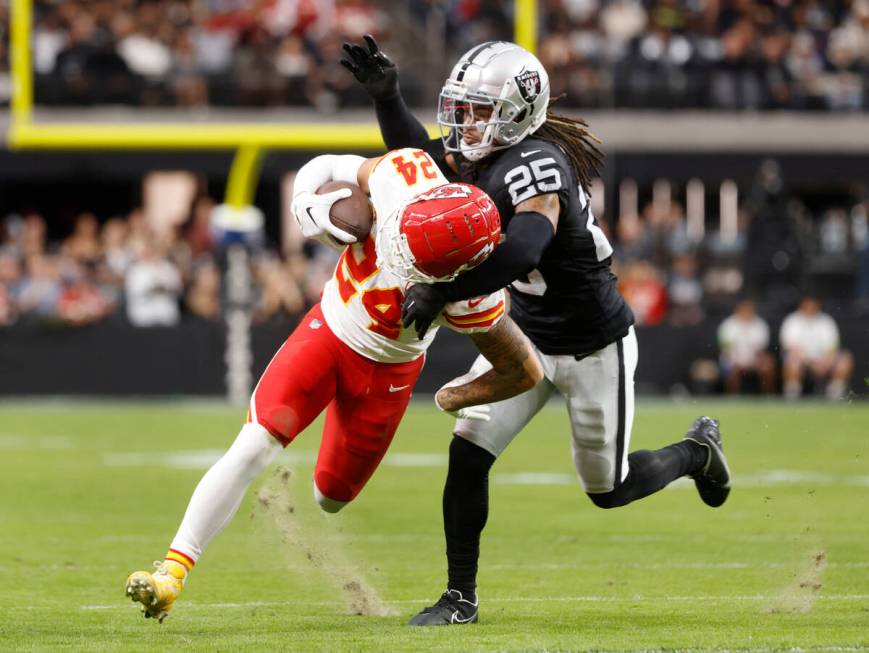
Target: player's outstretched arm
(379,76)
(515,369)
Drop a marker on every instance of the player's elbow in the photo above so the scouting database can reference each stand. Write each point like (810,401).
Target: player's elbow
(326,503)
(526,259)
(532,372)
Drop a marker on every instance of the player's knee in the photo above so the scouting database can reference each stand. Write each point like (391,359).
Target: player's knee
(469,458)
(253,450)
(331,493)
(607,500)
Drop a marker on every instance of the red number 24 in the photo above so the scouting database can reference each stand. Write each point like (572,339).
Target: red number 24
(410,169)
(383,305)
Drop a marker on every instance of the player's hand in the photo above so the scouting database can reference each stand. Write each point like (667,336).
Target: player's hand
(371,68)
(481,412)
(312,214)
(423,302)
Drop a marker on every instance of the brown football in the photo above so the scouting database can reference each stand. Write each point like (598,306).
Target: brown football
(352,214)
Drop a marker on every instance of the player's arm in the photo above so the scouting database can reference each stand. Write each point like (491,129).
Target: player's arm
(312,210)
(515,369)
(527,237)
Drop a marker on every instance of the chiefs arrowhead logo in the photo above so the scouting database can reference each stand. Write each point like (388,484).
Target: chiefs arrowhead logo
(445,192)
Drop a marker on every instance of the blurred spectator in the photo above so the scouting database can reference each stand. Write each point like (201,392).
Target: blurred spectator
(153,288)
(80,301)
(39,290)
(634,240)
(116,254)
(10,277)
(203,297)
(743,339)
(810,346)
(685,292)
(833,232)
(280,296)
(83,245)
(641,285)
(32,236)
(197,230)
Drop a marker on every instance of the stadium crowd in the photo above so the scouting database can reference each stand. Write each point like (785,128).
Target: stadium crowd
(124,269)
(726,54)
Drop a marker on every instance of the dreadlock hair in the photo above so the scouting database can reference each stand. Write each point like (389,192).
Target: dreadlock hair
(580,145)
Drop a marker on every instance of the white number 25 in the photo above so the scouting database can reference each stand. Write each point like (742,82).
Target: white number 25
(522,180)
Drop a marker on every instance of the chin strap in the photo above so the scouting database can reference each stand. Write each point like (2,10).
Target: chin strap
(475,154)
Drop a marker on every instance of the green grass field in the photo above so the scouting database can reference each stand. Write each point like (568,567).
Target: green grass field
(93,491)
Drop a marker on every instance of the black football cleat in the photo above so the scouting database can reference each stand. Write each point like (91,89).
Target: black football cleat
(451,608)
(713,479)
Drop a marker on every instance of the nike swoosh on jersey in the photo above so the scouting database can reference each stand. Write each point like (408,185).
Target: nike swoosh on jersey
(475,302)
(392,388)
(524,154)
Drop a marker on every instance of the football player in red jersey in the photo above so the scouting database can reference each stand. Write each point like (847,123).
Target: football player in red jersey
(350,355)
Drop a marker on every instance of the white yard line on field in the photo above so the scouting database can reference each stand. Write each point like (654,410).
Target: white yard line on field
(773,477)
(204,458)
(671,565)
(35,442)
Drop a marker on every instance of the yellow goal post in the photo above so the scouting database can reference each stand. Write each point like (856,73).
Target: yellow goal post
(249,140)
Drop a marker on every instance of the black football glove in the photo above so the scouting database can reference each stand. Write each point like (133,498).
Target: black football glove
(423,302)
(371,68)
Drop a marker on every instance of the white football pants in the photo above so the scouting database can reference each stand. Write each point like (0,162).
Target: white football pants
(599,392)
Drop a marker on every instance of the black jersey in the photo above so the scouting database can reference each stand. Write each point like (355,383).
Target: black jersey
(570,304)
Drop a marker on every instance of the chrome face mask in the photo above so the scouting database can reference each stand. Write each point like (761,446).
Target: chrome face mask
(456,113)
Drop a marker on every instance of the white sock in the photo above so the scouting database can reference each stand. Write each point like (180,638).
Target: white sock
(218,495)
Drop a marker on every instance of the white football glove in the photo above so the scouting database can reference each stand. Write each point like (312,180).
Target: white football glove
(312,214)
(480,412)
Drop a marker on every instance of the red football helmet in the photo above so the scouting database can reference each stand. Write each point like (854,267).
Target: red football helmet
(440,233)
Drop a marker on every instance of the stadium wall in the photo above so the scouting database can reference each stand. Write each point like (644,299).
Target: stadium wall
(189,359)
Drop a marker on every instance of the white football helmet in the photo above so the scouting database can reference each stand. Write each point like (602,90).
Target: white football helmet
(506,80)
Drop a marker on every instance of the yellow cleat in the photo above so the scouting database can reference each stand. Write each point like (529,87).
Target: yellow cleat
(157,591)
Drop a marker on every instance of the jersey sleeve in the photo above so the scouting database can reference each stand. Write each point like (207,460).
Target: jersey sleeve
(535,168)
(401,175)
(474,315)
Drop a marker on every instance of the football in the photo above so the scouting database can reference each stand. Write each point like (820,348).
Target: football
(352,214)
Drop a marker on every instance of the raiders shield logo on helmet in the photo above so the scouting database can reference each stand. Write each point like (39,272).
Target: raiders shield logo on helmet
(529,85)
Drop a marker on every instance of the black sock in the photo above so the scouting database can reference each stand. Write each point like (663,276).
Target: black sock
(466,508)
(650,471)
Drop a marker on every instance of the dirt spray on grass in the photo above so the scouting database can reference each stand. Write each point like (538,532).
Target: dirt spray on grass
(314,538)
(802,592)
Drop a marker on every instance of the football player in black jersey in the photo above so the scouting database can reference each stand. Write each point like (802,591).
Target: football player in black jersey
(498,133)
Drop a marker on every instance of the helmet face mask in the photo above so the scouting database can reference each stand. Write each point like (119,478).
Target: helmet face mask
(439,234)
(509,83)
